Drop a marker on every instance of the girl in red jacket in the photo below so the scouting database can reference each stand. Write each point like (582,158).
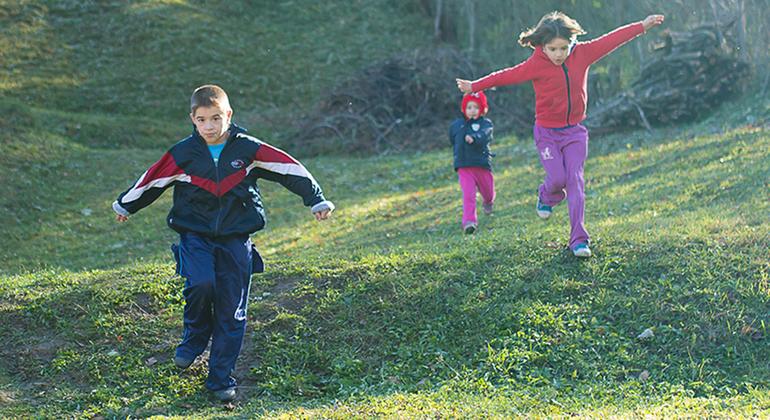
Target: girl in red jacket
(558,69)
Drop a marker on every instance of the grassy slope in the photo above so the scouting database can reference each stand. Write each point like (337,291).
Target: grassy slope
(387,309)
(139,58)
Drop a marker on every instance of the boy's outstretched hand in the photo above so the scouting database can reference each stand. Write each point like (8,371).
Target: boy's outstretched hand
(652,21)
(322,210)
(120,218)
(464,85)
(322,215)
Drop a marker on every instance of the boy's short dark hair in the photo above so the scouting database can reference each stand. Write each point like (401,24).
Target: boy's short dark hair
(209,95)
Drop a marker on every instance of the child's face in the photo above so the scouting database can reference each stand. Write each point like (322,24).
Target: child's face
(557,50)
(472,110)
(212,122)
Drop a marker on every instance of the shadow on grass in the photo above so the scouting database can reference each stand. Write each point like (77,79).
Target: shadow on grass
(513,313)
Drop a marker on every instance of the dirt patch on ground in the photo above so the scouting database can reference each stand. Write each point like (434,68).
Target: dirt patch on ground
(6,397)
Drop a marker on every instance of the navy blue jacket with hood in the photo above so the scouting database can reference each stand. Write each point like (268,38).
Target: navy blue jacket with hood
(477,153)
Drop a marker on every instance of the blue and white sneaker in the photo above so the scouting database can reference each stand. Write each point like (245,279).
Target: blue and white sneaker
(543,210)
(182,363)
(582,250)
(225,395)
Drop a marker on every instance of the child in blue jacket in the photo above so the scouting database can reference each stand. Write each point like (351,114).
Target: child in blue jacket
(217,205)
(470,137)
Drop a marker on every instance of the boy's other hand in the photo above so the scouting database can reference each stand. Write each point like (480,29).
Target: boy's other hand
(464,85)
(469,139)
(652,21)
(120,218)
(322,215)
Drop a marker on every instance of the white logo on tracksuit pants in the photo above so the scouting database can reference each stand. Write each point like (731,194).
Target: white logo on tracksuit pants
(546,154)
(240,312)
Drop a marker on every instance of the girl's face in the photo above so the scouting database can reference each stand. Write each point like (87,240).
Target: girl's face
(557,50)
(472,110)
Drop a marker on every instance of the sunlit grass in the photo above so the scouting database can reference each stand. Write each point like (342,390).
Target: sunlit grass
(115,57)
(387,309)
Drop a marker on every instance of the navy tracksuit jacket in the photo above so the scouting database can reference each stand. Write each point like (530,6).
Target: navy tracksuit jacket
(476,153)
(215,208)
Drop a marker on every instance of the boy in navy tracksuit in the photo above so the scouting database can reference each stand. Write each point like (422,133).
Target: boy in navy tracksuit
(216,207)
(470,137)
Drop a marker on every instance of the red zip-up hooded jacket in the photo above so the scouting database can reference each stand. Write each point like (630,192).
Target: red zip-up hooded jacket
(561,93)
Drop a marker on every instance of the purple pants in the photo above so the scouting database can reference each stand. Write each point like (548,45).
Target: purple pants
(471,179)
(562,153)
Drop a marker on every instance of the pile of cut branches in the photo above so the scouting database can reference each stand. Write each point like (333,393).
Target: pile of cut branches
(692,73)
(405,102)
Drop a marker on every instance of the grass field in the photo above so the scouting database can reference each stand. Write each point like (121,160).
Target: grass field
(142,58)
(387,309)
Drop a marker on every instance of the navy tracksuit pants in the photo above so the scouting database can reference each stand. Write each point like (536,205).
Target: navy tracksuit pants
(217,276)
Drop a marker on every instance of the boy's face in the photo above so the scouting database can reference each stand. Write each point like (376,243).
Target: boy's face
(557,50)
(212,123)
(472,110)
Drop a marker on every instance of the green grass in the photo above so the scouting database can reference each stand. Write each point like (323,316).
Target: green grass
(142,58)
(387,309)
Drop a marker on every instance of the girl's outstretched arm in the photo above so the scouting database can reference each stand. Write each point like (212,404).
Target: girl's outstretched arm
(598,48)
(520,73)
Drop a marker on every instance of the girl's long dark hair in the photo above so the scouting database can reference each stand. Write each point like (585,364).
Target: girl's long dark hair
(553,25)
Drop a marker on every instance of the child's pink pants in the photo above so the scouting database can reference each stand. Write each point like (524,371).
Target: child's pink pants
(471,179)
(562,153)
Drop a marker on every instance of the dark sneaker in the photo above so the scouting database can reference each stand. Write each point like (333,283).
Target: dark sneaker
(182,363)
(225,395)
(487,208)
(581,250)
(469,228)
(543,210)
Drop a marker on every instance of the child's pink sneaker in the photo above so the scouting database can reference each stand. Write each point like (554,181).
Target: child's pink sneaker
(487,208)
